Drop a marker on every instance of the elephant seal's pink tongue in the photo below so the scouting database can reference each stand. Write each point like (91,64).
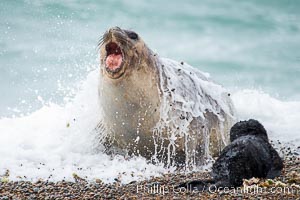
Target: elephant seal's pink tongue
(113,61)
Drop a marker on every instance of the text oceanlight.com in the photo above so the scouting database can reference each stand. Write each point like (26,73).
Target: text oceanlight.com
(254,189)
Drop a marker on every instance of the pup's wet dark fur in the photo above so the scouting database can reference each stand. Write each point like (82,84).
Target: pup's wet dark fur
(249,155)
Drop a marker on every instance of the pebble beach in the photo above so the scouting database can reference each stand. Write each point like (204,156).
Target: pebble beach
(287,186)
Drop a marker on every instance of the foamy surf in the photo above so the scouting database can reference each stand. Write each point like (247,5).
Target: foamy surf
(280,118)
(55,141)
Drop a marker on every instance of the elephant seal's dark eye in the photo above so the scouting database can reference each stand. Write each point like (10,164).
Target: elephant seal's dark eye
(132,35)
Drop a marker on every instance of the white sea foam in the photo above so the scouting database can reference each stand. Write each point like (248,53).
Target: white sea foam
(280,118)
(54,142)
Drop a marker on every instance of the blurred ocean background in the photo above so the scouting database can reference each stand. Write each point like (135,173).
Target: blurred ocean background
(46,47)
(48,50)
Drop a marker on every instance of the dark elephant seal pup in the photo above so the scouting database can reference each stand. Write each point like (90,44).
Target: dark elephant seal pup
(160,109)
(249,155)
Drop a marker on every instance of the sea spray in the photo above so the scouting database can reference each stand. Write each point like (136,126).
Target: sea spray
(188,95)
(55,141)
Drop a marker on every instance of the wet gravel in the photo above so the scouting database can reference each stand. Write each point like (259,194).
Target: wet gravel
(287,186)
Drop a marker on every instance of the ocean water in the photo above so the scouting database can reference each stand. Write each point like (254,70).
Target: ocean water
(49,63)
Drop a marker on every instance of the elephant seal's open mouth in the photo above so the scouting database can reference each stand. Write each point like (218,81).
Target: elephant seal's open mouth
(114,58)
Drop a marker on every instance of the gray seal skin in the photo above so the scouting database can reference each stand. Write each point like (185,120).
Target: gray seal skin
(131,86)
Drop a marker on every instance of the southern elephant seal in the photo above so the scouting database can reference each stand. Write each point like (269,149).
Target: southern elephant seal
(158,108)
